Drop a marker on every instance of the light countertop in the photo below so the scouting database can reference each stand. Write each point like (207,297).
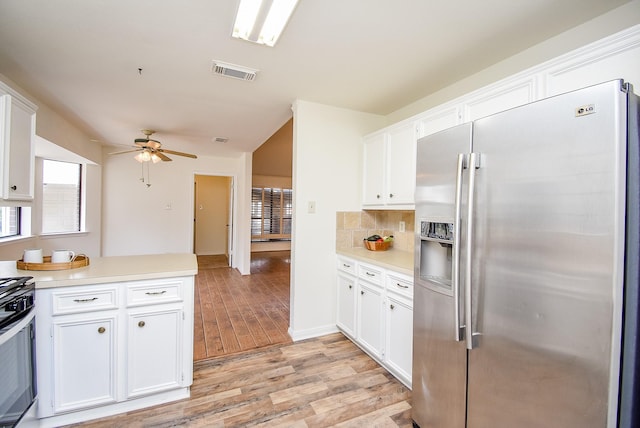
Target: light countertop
(110,269)
(392,259)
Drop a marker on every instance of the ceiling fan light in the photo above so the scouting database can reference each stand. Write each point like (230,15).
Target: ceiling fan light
(143,156)
(155,158)
(138,157)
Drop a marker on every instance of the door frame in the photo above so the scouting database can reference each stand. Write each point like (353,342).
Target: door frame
(232,220)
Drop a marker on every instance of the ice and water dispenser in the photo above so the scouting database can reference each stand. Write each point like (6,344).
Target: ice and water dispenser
(436,246)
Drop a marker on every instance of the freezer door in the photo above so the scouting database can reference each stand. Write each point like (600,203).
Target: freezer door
(439,361)
(547,283)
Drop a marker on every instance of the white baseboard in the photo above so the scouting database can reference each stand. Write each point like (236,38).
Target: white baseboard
(312,332)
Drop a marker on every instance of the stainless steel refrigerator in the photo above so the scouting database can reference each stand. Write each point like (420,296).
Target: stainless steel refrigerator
(526,269)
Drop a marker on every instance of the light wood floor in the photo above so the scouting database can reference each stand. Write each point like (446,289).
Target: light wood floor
(248,372)
(320,382)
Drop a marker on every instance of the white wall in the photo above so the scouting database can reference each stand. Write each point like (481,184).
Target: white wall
(326,170)
(155,219)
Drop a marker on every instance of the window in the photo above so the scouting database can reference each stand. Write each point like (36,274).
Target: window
(9,221)
(271,210)
(60,196)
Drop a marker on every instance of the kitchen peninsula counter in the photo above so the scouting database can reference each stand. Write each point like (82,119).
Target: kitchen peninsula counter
(396,260)
(110,269)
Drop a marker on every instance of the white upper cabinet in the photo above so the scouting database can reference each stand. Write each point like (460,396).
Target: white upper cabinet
(401,165)
(17,132)
(438,120)
(499,98)
(389,165)
(374,169)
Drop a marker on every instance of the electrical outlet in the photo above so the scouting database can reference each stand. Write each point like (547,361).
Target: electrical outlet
(401,227)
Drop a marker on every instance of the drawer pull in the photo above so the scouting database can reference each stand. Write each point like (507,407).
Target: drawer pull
(362,292)
(350,287)
(85,300)
(346,265)
(155,293)
(392,307)
(401,286)
(101,330)
(141,324)
(370,274)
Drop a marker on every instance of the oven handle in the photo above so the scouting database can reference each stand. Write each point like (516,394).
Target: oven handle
(17,326)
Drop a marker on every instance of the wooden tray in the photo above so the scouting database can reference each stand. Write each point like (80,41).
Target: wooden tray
(80,261)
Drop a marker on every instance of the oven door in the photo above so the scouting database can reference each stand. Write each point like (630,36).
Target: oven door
(17,369)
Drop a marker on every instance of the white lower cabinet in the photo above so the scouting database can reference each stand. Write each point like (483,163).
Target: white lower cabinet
(377,304)
(112,347)
(370,317)
(84,361)
(399,338)
(154,351)
(346,314)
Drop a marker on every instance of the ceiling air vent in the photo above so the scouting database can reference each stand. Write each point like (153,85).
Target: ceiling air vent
(232,70)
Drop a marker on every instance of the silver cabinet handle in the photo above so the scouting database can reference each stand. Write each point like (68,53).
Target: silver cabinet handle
(391,307)
(155,293)
(346,265)
(468,306)
(101,330)
(459,325)
(85,300)
(361,292)
(401,286)
(377,196)
(350,286)
(391,195)
(370,274)
(141,323)
(14,187)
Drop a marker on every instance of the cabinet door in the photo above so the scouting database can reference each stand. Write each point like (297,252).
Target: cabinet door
(399,343)
(346,317)
(373,169)
(84,362)
(370,312)
(401,165)
(154,353)
(17,141)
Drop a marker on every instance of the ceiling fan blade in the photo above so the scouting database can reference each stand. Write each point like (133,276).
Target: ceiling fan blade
(171,152)
(161,156)
(124,151)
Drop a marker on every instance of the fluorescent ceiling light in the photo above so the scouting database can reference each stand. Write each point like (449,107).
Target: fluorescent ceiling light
(262,21)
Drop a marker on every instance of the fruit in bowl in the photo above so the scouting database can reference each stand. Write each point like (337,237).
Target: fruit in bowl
(378,243)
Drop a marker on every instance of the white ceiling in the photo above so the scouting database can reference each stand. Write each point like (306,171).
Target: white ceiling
(82,58)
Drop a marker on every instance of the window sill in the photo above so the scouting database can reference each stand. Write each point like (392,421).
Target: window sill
(62,234)
(15,239)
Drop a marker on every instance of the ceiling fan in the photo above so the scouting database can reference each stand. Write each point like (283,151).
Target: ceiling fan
(151,150)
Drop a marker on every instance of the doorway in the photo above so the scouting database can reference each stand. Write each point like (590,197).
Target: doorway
(213,217)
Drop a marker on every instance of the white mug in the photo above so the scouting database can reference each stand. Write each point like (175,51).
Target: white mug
(32,255)
(62,256)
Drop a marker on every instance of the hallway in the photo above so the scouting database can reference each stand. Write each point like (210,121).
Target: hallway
(234,313)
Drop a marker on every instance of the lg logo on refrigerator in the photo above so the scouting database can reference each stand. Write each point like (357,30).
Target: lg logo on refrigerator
(585,110)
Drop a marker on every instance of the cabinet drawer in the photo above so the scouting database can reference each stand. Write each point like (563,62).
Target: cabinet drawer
(347,265)
(77,301)
(149,293)
(400,284)
(371,274)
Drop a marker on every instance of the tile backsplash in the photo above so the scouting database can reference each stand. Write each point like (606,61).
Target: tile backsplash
(353,226)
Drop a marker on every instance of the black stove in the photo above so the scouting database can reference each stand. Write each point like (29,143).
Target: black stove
(17,295)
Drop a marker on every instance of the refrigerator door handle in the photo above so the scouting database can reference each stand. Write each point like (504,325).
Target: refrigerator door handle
(459,326)
(474,163)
